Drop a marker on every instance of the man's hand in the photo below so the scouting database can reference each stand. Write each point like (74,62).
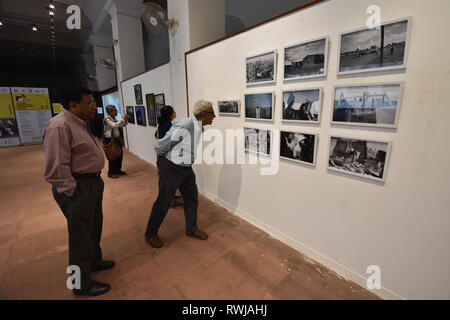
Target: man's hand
(125,117)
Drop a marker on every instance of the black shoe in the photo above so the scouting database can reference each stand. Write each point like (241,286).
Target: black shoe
(104,265)
(154,241)
(122,173)
(97,289)
(113,176)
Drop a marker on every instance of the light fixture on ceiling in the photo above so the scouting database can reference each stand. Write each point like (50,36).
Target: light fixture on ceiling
(51,6)
(51,12)
(34,27)
(1,23)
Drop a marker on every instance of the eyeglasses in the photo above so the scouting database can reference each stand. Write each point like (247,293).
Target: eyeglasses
(91,104)
(211,112)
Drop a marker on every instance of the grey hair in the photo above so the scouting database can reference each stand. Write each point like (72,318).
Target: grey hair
(110,108)
(202,106)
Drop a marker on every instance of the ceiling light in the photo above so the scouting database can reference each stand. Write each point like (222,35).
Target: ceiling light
(51,13)
(34,29)
(1,23)
(51,6)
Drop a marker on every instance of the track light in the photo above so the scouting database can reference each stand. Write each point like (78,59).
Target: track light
(34,27)
(1,23)
(52,13)
(51,6)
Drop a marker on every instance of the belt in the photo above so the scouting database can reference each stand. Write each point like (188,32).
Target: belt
(86,175)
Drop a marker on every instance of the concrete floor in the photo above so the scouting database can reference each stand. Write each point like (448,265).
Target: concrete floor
(238,261)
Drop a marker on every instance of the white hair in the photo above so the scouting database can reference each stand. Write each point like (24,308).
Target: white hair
(202,106)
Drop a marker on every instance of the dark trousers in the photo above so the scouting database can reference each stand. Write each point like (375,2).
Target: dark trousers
(84,215)
(173,177)
(115,166)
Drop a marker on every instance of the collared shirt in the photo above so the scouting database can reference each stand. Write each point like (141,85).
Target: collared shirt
(69,148)
(111,126)
(180,143)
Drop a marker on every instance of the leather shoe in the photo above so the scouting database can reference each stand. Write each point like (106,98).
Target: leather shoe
(154,241)
(198,234)
(104,265)
(97,289)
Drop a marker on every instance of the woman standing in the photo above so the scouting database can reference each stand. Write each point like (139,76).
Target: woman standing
(111,131)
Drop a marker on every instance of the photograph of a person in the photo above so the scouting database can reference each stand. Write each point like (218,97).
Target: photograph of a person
(363,158)
(259,106)
(257,141)
(302,105)
(138,93)
(300,147)
(130,113)
(229,107)
(306,60)
(373,105)
(159,103)
(140,116)
(261,69)
(151,109)
(372,50)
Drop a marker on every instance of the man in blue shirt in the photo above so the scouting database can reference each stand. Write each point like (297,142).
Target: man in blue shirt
(177,154)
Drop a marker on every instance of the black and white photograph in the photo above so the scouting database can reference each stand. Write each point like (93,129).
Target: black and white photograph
(372,50)
(363,158)
(151,109)
(306,60)
(302,105)
(258,141)
(8,128)
(138,93)
(261,69)
(130,113)
(300,147)
(259,106)
(160,102)
(372,105)
(229,108)
(140,116)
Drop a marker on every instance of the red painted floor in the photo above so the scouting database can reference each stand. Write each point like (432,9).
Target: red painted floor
(238,261)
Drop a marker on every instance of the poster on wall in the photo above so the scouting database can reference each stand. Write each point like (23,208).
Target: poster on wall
(302,105)
(138,93)
(366,50)
(359,157)
(130,112)
(306,60)
(9,132)
(140,116)
(369,105)
(151,109)
(33,111)
(298,147)
(57,108)
(261,69)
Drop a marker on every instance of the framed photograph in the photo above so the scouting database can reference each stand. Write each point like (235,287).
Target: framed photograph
(130,113)
(258,141)
(140,116)
(298,147)
(262,68)
(369,105)
(160,102)
(138,93)
(366,50)
(259,106)
(229,108)
(358,157)
(306,60)
(151,109)
(302,106)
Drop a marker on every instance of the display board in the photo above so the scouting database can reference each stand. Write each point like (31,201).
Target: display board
(33,110)
(9,133)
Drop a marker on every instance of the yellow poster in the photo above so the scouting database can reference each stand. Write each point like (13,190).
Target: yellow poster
(57,107)
(31,98)
(6,105)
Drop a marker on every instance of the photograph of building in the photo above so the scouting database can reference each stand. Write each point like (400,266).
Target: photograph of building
(261,68)
(305,60)
(259,106)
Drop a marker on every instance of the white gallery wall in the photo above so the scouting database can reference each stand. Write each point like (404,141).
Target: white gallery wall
(141,140)
(347,223)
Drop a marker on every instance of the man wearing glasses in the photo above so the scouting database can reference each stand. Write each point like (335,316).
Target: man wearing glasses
(73,163)
(177,154)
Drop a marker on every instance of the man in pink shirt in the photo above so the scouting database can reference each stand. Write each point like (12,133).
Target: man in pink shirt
(73,163)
